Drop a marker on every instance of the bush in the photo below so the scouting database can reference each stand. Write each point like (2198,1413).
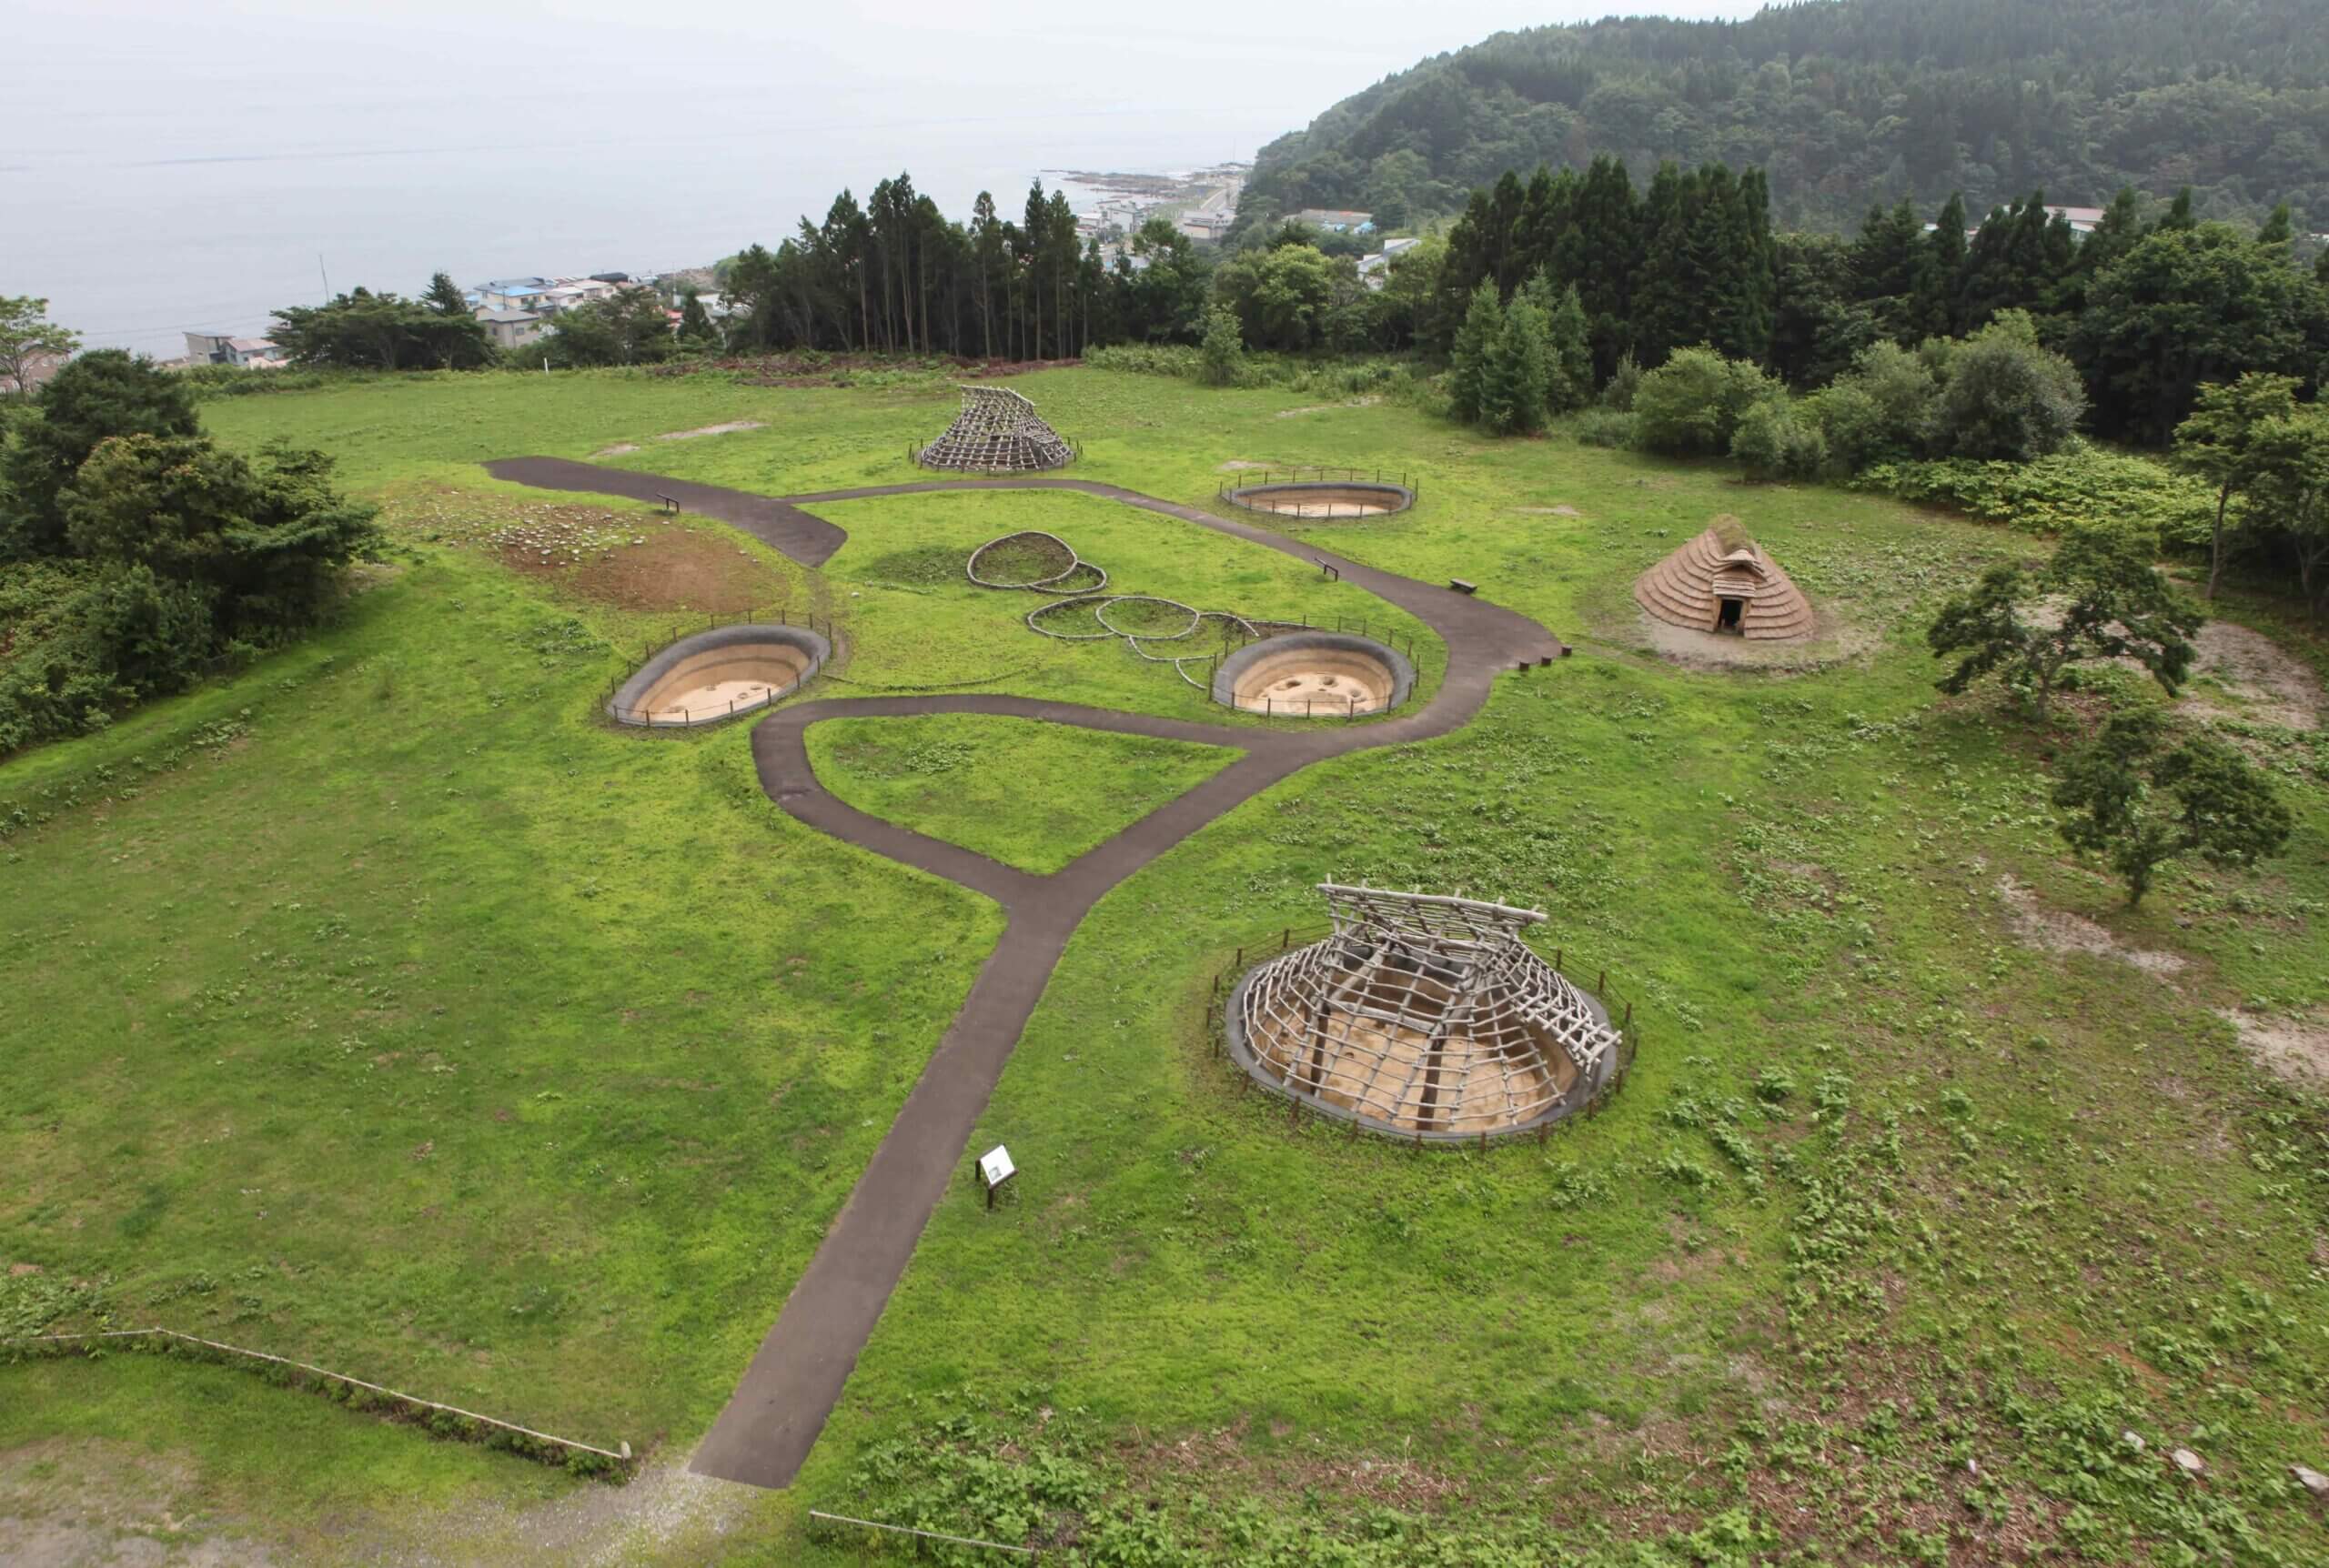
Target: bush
(1605,427)
(2081,488)
(2006,396)
(1624,382)
(1881,410)
(1691,405)
(1774,441)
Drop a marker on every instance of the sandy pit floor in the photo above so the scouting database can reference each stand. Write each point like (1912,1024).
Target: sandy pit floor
(1314,682)
(1322,504)
(723,680)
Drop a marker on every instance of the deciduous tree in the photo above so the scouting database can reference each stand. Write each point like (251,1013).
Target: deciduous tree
(2139,802)
(2099,597)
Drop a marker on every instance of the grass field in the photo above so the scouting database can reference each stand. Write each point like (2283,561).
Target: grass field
(394,1011)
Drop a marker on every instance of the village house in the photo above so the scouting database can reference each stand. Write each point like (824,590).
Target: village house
(510,328)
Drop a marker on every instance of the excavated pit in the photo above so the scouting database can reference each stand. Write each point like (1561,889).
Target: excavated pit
(1314,674)
(1326,501)
(717,674)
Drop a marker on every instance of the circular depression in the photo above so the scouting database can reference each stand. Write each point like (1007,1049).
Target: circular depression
(713,674)
(1326,500)
(1314,674)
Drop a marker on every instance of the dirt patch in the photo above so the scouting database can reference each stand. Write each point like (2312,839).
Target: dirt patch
(65,1504)
(730,428)
(616,450)
(2059,931)
(638,562)
(1327,407)
(1548,511)
(2294,1049)
(1832,642)
(1243,466)
(2271,685)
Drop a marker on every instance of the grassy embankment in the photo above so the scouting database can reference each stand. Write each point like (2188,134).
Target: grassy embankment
(1892,1190)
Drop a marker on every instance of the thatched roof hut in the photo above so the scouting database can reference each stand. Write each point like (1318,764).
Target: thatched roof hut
(1722,581)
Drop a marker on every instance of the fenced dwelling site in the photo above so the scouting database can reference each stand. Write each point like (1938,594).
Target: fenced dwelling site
(1424,1018)
(1284,670)
(1326,495)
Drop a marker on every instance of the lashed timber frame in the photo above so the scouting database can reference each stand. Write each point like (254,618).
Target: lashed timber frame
(997,432)
(1423,1017)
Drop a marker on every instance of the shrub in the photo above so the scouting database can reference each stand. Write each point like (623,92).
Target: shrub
(1775,441)
(2006,396)
(2078,488)
(1605,427)
(1624,382)
(1881,410)
(1691,405)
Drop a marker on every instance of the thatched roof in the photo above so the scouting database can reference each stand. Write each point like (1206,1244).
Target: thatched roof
(1422,1015)
(997,431)
(1687,588)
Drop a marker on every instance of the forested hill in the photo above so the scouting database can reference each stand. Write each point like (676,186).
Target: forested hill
(1847,102)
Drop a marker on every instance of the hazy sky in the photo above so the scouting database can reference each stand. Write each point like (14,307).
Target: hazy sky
(165,165)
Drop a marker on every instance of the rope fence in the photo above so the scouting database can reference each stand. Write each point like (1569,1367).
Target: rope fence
(440,1420)
(822,1517)
(1285,939)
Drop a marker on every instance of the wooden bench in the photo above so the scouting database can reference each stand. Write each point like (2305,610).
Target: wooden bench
(1460,585)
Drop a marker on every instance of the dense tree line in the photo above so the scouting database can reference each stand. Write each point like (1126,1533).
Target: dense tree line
(134,551)
(1991,98)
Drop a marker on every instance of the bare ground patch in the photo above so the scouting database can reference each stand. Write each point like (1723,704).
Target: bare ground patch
(1326,408)
(1834,641)
(2060,931)
(632,559)
(1561,511)
(71,1504)
(2271,685)
(2294,1049)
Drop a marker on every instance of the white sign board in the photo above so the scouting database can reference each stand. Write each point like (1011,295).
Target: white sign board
(995,1166)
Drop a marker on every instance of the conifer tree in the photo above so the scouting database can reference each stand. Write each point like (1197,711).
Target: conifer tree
(1513,396)
(1569,353)
(1939,270)
(1476,341)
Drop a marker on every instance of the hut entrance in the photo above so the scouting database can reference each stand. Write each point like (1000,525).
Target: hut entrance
(1727,618)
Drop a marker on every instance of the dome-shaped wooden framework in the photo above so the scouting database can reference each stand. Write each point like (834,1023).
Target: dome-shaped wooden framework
(1722,582)
(997,431)
(1422,1016)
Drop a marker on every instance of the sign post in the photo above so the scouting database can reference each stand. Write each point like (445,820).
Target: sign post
(994,1170)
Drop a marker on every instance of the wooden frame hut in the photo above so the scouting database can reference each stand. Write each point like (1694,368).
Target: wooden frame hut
(1722,581)
(1422,1017)
(996,432)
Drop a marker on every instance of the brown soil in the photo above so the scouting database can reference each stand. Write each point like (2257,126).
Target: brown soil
(1548,511)
(1833,641)
(2059,931)
(677,568)
(2296,1049)
(1330,683)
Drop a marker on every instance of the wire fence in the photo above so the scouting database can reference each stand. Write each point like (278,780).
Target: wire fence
(446,1420)
(1585,1101)
(692,718)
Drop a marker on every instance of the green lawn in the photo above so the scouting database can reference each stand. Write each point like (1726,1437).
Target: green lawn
(1028,794)
(415,1022)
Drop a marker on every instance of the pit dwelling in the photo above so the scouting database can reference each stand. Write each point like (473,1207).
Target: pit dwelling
(718,674)
(1722,582)
(1314,674)
(1325,500)
(1423,1017)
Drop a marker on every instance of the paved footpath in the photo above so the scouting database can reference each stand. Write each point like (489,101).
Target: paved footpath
(772,1419)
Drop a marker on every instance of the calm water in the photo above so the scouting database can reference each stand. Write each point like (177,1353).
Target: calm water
(168,231)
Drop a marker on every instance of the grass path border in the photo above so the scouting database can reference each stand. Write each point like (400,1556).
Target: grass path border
(794,1380)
